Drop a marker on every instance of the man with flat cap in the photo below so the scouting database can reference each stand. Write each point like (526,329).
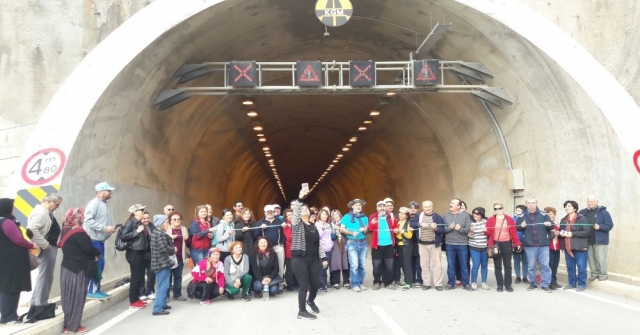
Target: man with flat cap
(354,226)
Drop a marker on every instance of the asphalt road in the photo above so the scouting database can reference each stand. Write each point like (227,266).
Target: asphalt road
(390,312)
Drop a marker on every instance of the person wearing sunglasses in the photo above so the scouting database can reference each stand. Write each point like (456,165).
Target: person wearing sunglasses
(501,230)
(478,248)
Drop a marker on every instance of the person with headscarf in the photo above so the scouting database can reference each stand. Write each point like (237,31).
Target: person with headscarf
(15,275)
(339,260)
(354,227)
(79,258)
(210,271)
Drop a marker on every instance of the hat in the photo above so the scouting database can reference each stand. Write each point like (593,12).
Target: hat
(275,206)
(104,186)
(380,203)
(136,207)
(404,210)
(356,201)
(159,219)
(268,208)
(388,200)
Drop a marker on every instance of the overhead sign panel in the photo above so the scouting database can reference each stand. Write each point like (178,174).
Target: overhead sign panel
(308,73)
(334,13)
(426,72)
(362,73)
(242,74)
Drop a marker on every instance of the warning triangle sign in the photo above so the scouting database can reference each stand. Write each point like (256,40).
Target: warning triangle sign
(309,74)
(426,73)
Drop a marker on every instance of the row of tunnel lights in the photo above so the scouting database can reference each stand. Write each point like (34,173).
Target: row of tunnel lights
(369,120)
(259,128)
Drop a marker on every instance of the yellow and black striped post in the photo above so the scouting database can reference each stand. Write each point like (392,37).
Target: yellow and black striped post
(27,199)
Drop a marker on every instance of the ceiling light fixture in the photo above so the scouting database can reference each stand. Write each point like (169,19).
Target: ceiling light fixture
(262,139)
(362,128)
(374,112)
(252,113)
(368,121)
(345,149)
(353,139)
(257,127)
(391,93)
(247,101)
(265,148)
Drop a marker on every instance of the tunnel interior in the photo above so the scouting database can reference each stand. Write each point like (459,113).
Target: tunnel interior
(421,146)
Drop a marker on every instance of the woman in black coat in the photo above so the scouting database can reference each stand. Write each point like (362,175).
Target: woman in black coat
(574,240)
(136,234)
(243,232)
(15,271)
(264,268)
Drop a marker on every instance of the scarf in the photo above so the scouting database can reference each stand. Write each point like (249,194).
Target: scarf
(68,224)
(263,253)
(69,233)
(358,216)
(567,240)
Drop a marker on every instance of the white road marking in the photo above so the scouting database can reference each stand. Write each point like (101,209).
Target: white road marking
(393,326)
(105,326)
(609,301)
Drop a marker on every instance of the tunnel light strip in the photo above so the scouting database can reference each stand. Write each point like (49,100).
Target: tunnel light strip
(345,149)
(259,128)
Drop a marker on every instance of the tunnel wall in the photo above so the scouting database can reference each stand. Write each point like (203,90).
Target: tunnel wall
(151,158)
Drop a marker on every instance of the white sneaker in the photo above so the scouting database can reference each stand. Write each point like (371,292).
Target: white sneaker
(356,289)
(143,297)
(151,296)
(474,286)
(485,286)
(363,288)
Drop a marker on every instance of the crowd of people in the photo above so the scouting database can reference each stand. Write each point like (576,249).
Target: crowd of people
(303,249)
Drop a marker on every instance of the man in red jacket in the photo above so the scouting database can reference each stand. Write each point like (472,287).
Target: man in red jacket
(384,229)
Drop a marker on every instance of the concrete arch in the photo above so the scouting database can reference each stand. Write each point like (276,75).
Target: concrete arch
(111,132)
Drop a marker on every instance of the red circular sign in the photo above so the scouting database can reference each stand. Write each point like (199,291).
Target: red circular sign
(636,160)
(43,166)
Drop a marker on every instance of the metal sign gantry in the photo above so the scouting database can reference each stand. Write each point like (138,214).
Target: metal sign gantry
(335,77)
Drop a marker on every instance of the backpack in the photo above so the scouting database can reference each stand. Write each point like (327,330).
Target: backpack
(121,245)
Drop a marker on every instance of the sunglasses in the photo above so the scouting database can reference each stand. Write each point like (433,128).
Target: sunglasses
(476,213)
(497,208)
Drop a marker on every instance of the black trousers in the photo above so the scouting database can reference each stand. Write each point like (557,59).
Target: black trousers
(335,277)
(503,259)
(9,306)
(289,277)
(211,291)
(136,265)
(307,271)
(149,287)
(382,259)
(405,255)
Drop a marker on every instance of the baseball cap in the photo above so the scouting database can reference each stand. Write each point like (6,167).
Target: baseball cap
(268,208)
(388,200)
(404,210)
(380,203)
(275,206)
(136,207)
(104,186)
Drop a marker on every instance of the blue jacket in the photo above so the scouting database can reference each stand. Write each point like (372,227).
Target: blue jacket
(544,232)
(603,219)
(273,232)
(437,219)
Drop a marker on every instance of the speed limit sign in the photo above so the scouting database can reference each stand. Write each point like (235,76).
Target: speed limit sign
(43,166)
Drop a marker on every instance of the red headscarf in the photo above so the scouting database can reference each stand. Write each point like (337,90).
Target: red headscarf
(69,224)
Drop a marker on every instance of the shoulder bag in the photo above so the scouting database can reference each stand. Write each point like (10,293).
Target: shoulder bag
(494,250)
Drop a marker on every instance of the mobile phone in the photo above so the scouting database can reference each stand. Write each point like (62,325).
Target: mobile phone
(305,187)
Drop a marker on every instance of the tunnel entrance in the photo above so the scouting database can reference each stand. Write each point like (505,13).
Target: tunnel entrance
(420,146)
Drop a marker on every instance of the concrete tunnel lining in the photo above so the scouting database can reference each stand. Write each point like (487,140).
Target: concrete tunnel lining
(449,148)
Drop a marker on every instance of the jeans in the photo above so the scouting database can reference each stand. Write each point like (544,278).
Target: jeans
(540,254)
(554,261)
(323,271)
(357,251)
(577,277)
(479,260)
(258,287)
(176,280)
(520,259)
(199,254)
(461,253)
(94,286)
(162,277)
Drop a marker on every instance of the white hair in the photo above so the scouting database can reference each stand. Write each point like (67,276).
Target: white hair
(53,197)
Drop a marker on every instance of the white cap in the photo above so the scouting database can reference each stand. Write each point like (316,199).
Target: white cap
(268,208)
(275,206)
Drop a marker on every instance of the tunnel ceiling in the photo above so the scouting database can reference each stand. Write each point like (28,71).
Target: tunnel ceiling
(204,149)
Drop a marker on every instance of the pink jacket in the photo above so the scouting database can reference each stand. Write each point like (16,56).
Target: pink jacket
(199,273)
